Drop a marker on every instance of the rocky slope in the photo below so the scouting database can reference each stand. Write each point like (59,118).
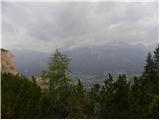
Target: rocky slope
(8,62)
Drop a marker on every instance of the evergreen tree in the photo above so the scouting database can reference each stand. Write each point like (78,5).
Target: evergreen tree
(59,84)
(107,107)
(95,97)
(80,90)
(58,71)
(149,67)
(156,60)
(95,92)
(139,100)
(156,71)
(144,88)
(121,94)
(77,101)
(148,78)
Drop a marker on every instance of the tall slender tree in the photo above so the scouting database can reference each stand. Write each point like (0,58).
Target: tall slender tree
(121,95)
(58,70)
(149,67)
(107,107)
(156,70)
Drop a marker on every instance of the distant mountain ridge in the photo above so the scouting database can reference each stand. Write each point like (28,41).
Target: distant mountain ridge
(88,60)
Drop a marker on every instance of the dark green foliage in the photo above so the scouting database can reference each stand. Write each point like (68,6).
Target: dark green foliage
(121,94)
(156,70)
(81,103)
(150,76)
(22,98)
(107,108)
(95,92)
(145,88)
(149,67)
(114,98)
(139,100)
(156,59)
(154,108)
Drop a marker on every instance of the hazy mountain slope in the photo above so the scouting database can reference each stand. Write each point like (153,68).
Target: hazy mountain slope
(30,62)
(100,59)
(95,60)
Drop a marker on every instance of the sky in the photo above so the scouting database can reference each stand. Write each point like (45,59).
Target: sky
(45,26)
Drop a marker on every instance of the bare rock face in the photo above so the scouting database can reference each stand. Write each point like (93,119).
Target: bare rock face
(8,62)
(8,66)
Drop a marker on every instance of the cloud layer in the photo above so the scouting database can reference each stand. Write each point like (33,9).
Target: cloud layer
(70,25)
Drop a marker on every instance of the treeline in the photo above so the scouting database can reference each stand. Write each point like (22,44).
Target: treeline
(62,98)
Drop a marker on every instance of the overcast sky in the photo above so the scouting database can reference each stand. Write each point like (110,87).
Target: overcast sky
(70,25)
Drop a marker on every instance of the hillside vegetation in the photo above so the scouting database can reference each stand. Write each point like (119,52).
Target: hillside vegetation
(63,98)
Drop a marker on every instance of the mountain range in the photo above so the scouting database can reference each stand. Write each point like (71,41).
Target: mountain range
(87,60)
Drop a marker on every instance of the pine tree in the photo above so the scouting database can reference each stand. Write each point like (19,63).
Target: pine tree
(149,67)
(107,107)
(95,92)
(139,100)
(121,95)
(77,101)
(145,88)
(58,71)
(80,89)
(59,83)
(156,60)
(156,71)
(148,77)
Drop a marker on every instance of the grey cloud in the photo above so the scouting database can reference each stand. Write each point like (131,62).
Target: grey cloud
(71,25)
(7,27)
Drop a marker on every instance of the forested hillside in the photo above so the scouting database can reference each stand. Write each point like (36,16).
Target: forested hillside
(63,98)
